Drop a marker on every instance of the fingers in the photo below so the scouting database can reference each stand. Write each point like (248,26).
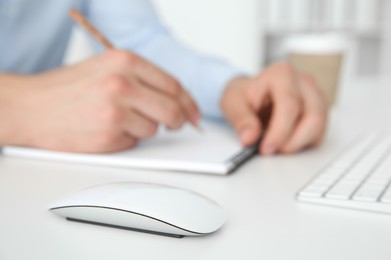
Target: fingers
(167,85)
(245,122)
(158,107)
(139,126)
(148,75)
(287,108)
(190,108)
(299,113)
(153,105)
(124,142)
(311,128)
(105,143)
(239,113)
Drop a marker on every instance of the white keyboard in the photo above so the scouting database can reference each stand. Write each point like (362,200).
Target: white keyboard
(357,179)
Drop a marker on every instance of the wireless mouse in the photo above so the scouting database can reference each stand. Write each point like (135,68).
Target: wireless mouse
(145,207)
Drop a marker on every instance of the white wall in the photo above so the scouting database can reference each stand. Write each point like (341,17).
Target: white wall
(225,28)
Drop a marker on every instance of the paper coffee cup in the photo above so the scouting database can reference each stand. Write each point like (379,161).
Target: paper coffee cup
(321,56)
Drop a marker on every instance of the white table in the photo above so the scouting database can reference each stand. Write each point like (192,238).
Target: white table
(264,221)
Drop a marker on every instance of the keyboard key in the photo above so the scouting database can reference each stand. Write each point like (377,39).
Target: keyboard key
(386,198)
(333,172)
(339,194)
(373,183)
(341,165)
(367,194)
(313,191)
(327,179)
(341,191)
(384,169)
(351,178)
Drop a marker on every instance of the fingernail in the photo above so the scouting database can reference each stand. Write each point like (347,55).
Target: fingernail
(269,149)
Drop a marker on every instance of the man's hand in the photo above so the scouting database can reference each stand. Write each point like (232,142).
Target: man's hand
(288,106)
(104,104)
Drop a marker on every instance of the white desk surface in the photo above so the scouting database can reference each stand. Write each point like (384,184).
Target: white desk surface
(263,219)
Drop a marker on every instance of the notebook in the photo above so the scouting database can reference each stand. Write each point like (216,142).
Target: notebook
(215,150)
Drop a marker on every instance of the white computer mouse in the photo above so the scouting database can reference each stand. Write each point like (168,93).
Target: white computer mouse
(146,207)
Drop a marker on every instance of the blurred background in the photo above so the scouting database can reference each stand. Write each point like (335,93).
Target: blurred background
(251,33)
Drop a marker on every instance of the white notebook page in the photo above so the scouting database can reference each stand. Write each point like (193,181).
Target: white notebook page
(187,149)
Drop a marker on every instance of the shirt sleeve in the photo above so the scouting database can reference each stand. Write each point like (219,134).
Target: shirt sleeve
(134,25)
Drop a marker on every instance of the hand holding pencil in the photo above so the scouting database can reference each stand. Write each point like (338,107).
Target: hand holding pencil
(155,79)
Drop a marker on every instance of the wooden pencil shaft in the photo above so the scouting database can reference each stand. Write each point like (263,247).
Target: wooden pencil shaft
(79,18)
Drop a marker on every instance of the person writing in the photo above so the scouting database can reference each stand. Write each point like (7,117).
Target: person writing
(111,101)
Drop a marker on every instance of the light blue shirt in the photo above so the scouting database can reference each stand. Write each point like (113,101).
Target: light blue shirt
(34,35)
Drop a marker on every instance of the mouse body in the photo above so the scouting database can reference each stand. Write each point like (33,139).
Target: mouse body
(146,207)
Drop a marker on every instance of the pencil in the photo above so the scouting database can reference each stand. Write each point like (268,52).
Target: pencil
(82,21)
